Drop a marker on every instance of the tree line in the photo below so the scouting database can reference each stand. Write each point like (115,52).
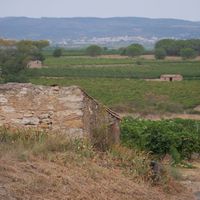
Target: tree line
(184,48)
(95,50)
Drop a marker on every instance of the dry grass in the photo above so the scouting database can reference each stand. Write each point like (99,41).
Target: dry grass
(42,166)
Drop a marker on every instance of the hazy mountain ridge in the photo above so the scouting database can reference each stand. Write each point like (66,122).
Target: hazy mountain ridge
(83,30)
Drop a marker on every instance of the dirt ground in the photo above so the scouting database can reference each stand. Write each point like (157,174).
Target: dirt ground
(148,57)
(191,179)
(162,116)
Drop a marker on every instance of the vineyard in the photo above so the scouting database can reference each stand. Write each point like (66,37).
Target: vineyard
(76,66)
(129,95)
(179,138)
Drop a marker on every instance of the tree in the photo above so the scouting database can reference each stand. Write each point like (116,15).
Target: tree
(13,65)
(57,52)
(173,47)
(169,45)
(14,57)
(94,50)
(38,56)
(7,43)
(39,44)
(122,51)
(32,49)
(160,53)
(187,53)
(134,50)
(27,48)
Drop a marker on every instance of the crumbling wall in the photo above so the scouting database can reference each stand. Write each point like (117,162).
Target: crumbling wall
(100,122)
(59,109)
(34,64)
(50,108)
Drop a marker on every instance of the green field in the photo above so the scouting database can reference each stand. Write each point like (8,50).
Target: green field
(128,95)
(68,66)
(115,82)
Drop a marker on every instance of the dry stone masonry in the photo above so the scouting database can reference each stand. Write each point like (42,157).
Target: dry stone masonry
(171,77)
(59,109)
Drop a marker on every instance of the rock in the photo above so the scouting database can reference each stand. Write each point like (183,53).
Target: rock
(30,121)
(28,115)
(23,91)
(3,100)
(157,170)
(8,109)
(45,121)
(71,98)
(197,195)
(44,116)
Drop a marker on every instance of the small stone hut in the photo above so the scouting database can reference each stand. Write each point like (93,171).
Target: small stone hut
(34,64)
(171,77)
(68,110)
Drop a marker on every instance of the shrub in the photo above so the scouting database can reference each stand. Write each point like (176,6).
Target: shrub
(38,56)
(187,53)
(160,53)
(136,163)
(57,52)
(179,138)
(94,50)
(134,50)
(18,78)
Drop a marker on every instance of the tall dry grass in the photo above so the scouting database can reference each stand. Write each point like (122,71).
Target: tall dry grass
(25,144)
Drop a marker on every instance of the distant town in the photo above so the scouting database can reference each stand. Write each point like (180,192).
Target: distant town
(114,41)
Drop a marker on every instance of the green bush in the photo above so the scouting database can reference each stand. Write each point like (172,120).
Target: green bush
(179,138)
(160,53)
(134,50)
(58,52)
(17,78)
(187,53)
(94,50)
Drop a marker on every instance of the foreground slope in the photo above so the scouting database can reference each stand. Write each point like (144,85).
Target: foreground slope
(36,167)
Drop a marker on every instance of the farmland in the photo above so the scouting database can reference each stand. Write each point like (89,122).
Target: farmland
(128,95)
(116,82)
(115,68)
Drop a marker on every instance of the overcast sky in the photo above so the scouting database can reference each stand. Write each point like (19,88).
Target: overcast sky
(182,9)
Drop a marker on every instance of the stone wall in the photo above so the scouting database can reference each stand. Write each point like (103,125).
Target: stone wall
(171,77)
(34,64)
(59,109)
(98,119)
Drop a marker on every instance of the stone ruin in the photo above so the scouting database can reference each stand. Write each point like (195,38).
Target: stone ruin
(171,77)
(67,110)
(34,64)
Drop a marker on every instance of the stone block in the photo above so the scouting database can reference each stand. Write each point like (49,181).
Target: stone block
(8,109)
(3,100)
(30,121)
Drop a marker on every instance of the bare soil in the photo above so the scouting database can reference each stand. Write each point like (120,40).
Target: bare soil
(191,179)
(170,58)
(149,57)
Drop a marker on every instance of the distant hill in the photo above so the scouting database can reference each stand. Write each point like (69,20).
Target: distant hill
(105,31)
